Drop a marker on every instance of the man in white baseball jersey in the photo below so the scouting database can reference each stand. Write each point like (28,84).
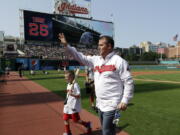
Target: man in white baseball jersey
(113,81)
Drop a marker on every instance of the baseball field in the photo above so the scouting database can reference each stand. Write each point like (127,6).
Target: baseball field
(154,110)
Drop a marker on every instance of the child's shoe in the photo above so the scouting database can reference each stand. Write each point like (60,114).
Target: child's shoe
(89,128)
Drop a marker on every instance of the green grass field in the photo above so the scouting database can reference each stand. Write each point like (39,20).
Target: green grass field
(154,110)
(164,77)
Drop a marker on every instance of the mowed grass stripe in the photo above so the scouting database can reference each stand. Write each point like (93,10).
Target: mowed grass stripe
(163,77)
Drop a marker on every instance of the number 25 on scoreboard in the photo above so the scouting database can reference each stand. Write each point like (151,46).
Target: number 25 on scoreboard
(38,29)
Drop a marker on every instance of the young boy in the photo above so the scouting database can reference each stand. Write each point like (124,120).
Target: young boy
(72,104)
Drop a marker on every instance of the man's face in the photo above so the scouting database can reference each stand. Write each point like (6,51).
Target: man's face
(104,47)
(68,78)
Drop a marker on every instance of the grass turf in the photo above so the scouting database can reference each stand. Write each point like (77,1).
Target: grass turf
(163,77)
(154,109)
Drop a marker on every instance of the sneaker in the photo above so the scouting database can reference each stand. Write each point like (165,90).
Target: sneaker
(67,134)
(89,128)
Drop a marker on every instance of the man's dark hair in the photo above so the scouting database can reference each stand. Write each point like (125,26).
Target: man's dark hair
(108,39)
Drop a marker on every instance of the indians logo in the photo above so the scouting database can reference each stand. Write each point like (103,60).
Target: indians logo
(73,9)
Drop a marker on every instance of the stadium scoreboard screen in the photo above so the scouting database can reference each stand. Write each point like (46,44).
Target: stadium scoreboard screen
(78,31)
(38,26)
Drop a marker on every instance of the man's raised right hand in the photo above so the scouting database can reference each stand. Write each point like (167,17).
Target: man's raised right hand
(62,39)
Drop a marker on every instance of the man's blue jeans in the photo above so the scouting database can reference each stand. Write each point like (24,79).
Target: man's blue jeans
(106,118)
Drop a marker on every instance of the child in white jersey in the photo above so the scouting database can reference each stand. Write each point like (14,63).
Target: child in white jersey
(72,104)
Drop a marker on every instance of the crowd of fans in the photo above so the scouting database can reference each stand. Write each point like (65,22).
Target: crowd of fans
(53,52)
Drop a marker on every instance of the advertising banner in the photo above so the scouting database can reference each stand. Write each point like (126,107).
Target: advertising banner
(23,62)
(34,64)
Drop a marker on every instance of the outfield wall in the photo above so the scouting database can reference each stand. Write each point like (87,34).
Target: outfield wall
(170,62)
(74,67)
(154,67)
(42,64)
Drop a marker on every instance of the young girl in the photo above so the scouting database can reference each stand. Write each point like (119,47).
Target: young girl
(72,104)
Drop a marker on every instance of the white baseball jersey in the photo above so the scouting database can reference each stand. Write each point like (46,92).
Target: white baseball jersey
(113,80)
(73,104)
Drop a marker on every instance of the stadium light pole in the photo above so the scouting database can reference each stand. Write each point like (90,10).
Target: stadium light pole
(177,52)
(112,19)
(161,53)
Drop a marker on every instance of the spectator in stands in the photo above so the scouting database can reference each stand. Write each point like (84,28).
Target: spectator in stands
(52,52)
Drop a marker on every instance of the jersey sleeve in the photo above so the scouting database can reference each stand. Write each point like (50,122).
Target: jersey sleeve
(77,89)
(128,83)
(80,57)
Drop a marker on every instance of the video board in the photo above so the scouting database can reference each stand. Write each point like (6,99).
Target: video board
(78,31)
(38,26)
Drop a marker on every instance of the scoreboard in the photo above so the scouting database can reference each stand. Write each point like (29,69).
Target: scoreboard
(38,26)
(82,32)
